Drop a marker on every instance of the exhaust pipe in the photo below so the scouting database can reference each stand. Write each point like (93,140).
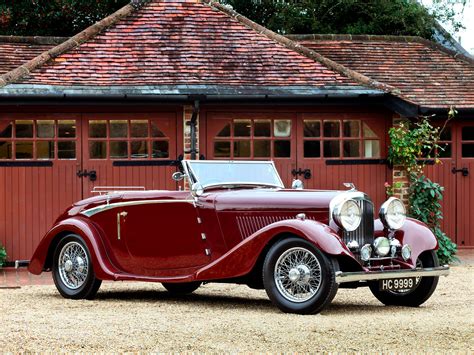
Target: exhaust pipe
(21,263)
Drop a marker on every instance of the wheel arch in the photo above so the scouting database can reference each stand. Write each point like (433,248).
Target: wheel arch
(42,259)
(246,258)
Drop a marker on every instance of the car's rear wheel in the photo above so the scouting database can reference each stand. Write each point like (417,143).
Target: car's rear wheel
(73,273)
(424,286)
(298,277)
(181,288)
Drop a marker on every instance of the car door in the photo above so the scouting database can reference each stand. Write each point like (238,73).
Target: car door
(163,235)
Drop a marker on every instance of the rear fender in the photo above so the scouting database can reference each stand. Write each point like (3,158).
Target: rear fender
(42,257)
(241,259)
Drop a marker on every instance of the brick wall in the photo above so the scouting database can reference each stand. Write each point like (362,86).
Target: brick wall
(187,114)
(400,184)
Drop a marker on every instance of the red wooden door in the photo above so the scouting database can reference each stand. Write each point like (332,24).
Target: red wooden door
(38,163)
(464,172)
(254,136)
(134,150)
(340,148)
(442,174)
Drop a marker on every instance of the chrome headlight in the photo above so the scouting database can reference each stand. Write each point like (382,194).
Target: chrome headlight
(393,213)
(348,215)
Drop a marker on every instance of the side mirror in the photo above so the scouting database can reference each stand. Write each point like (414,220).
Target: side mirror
(178,176)
(297,184)
(197,189)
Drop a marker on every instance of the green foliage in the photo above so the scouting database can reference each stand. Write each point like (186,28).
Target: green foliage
(396,17)
(411,143)
(3,255)
(425,197)
(53,17)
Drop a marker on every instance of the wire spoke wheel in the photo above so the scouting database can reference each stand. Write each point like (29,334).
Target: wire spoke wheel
(297,274)
(73,265)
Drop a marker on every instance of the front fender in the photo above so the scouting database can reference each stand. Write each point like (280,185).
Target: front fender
(83,227)
(418,236)
(241,259)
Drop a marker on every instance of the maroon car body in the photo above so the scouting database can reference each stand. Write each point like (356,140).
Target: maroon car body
(225,233)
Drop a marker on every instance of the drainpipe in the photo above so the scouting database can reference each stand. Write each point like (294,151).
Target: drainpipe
(193,125)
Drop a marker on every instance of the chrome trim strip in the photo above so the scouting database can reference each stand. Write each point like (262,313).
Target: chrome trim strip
(92,211)
(342,277)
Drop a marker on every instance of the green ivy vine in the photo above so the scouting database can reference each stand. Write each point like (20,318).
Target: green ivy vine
(411,145)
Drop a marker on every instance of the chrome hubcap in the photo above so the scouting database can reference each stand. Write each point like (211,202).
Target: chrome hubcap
(297,274)
(73,265)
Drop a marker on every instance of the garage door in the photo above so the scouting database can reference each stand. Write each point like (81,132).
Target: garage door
(49,161)
(324,150)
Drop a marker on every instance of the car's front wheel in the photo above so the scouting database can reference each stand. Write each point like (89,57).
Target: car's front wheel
(298,277)
(73,273)
(181,288)
(420,293)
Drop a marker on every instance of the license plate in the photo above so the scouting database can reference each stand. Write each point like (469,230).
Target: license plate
(406,283)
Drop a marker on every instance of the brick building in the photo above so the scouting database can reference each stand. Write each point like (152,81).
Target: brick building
(121,102)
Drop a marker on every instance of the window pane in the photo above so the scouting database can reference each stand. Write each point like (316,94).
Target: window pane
(97,150)
(282,128)
(6,129)
(351,128)
(160,149)
(282,149)
(372,149)
(45,129)
(24,150)
(242,128)
(222,149)
(67,129)
(468,133)
(351,149)
(368,132)
(67,150)
(241,149)
(312,149)
(118,150)
(118,129)
(225,132)
(446,134)
(331,149)
(468,150)
(446,151)
(331,128)
(98,129)
(24,129)
(156,131)
(6,150)
(45,150)
(312,128)
(261,149)
(139,149)
(262,128)
(139,128)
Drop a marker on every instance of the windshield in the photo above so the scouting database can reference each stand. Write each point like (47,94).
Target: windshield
(209,173)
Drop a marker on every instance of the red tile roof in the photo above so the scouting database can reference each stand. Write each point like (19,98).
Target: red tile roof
(425,73)
(183,42)
(15,51)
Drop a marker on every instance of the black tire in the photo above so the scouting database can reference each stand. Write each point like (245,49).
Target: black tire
(280,261)
(180,289)
(417,296)
(86,288)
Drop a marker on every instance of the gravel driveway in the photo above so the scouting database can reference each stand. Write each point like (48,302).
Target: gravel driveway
(142,317)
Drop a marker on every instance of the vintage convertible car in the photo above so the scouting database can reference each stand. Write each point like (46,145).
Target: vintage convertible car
(238,224)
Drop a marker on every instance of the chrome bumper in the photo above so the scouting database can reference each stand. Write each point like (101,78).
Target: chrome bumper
(342,277)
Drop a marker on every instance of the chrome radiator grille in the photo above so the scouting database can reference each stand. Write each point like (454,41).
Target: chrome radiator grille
(365,233)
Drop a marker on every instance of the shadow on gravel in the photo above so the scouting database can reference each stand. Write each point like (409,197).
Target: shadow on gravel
(217,301)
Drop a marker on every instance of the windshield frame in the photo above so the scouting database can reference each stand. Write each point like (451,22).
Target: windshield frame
(192,177)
